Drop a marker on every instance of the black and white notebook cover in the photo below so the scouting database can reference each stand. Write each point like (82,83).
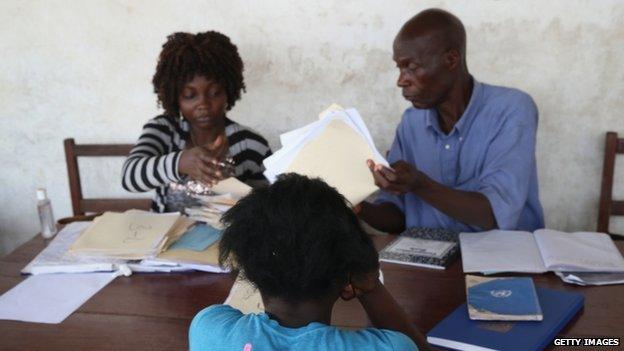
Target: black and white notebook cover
(423,247)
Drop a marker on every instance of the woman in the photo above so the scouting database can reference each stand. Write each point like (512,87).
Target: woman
(199,77)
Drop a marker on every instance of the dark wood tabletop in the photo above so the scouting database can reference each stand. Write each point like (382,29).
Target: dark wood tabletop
(152,311)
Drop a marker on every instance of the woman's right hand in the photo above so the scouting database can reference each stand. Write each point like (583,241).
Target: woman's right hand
(202,163)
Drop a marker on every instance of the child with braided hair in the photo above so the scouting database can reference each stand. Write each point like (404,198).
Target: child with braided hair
(300,244)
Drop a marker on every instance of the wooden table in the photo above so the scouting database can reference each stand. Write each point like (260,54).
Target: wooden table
(153,311)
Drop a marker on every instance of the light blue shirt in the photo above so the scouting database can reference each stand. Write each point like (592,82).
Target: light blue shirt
(490,150)
(221,327)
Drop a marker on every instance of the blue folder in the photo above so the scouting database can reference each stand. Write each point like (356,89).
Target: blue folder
(197,238)
(458,332)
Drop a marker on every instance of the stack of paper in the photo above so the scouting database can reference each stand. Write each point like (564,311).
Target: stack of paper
(196,249)
(53,258)
(334,148)
(131,235)
(188,248)
(228,192)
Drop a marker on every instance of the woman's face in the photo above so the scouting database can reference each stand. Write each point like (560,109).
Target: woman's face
(203,102)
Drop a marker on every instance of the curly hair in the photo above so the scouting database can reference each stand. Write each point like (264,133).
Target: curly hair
(185,55)
(296,239)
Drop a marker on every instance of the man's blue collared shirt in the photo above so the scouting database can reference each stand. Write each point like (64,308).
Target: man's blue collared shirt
(491,150)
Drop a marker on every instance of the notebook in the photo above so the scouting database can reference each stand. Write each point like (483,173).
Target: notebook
(545,250)
(502,299)
(422,247)
(459,332)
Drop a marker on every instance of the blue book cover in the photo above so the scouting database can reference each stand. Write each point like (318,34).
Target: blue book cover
(457,331)
(502,299)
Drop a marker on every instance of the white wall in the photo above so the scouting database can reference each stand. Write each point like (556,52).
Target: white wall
(82,69)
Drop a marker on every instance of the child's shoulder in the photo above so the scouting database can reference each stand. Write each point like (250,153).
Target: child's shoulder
(210,324)
(215,313)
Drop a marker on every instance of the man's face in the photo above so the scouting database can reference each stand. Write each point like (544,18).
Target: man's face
(423,76)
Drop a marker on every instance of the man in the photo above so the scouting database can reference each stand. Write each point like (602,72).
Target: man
(463,157)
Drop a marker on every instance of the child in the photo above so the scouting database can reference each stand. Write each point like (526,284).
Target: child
(199,77)
(300,244)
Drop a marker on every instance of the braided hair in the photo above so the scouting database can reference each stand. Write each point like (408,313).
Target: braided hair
(185,55)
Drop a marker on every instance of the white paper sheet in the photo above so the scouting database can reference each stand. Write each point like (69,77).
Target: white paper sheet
(580,251)
(500,251)
(50,298)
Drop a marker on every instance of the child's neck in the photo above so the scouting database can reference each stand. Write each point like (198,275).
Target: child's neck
(299,314)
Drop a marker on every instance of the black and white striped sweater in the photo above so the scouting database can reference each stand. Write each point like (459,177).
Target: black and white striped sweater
(153,161)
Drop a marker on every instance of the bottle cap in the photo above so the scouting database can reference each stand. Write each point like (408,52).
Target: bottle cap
(41,194)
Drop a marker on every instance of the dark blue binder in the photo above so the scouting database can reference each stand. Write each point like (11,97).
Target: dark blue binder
(458,332)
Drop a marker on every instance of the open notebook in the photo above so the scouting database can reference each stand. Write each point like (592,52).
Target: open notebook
(545,250)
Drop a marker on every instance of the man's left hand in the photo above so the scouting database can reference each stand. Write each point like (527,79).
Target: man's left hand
(399,179)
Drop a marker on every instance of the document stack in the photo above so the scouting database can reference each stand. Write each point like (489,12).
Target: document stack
(226,193)
(186,246)
(132,235)
(334,148)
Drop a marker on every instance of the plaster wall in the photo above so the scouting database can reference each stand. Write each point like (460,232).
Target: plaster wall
(83,69)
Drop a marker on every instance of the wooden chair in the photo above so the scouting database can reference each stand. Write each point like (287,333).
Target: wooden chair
(82,206)
(609,207)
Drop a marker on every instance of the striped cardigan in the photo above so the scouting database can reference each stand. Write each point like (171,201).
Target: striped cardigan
(153,161)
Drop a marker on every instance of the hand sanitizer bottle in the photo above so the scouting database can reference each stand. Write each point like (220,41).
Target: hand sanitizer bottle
(44,207)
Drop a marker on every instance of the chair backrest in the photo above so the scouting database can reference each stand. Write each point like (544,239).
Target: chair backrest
(80,205)
(609,207)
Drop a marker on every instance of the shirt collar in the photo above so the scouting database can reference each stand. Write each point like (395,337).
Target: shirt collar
(466,118)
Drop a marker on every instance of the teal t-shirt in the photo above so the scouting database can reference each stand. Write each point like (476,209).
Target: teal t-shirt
(221,327)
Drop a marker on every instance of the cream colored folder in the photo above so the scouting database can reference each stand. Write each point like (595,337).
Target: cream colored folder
(131,235)
(232,186)
(338,156)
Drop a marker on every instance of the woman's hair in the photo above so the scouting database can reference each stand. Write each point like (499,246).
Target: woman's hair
(185,55)
(296,239)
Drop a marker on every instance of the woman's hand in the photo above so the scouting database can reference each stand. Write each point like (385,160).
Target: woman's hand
(201,163)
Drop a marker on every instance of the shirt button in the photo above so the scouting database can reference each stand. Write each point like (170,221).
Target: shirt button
(447,146)
(460,138)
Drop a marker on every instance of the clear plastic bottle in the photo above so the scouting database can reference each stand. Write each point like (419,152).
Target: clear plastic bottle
(46,217)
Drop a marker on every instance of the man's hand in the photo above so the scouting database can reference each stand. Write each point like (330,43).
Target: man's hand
(360,284)
(401,178)
(201,163)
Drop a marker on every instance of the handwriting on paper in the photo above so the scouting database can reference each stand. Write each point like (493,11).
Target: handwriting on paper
(136,232)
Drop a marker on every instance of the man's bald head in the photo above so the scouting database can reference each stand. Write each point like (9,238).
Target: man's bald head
(430,52)
(443,29)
